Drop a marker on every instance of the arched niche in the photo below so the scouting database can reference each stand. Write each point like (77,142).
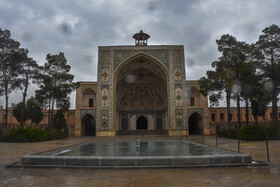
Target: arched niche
(195,124)
(89,98)
(88,125)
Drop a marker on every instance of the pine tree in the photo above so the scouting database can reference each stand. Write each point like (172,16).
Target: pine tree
(56,83)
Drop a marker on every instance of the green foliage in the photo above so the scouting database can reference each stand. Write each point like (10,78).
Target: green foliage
(233,133)
(31,111)
(269,48)
(55,83)
(17,110)
(57,135)
(59,120)
(11,57)
(25,135)
(273,133)
(29,72)
(30,135)
(34,110)
(254,133)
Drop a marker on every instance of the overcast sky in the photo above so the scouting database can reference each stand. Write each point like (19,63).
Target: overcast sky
(78,27)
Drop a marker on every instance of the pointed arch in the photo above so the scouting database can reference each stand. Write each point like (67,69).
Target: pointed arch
(140,87)
(89,91)
(195,124)
(137,55)
(142,123)
(88,125)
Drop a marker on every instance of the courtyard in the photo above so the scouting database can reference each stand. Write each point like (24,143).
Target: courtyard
(219,176)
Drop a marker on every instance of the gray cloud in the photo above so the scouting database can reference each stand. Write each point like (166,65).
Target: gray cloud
(77,28)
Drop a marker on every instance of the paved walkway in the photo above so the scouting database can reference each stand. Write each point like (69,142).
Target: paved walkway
(235,176)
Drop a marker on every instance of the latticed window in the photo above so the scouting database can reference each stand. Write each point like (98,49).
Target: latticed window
(90,102)
(213,117)
(192,101)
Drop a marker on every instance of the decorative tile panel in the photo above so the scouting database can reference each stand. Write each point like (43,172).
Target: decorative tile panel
(179,97)
(178,74)
(197,110)
(122,55)
(105,75)
(88,111)
(179,119)
(104,119)
(177,57)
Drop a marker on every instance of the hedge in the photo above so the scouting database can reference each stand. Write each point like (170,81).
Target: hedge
(253,133)
(22,134)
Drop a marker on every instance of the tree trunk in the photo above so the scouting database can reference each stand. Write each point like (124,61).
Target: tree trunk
(24,100)
(256,120)
(51,122)
(49,116)
(274,106)
(274,91)
(6,109)
(239,120)
(228,112)
(247,112)
(266,141)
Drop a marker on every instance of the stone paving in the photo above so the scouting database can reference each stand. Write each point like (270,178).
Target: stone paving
(230,176)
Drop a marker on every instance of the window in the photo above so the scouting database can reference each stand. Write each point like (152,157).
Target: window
(270,115)
(192,101)
(213,117)
(221,117)
(230,116)
(90,102)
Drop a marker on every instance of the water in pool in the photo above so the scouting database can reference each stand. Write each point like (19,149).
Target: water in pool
(128,148)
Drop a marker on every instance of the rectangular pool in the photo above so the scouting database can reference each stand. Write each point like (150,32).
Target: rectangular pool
(141,153)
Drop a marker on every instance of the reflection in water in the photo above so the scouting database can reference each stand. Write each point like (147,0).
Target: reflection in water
(160,148)
(123,148)
(196,150)
(126,148)
(144,148)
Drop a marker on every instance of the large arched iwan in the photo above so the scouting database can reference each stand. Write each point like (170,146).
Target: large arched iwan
(141,89)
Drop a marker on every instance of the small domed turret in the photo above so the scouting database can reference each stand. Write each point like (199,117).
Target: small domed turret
(141,38)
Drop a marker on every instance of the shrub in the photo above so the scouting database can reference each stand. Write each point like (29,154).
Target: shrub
(253,133)
(30,135)
(17,112)
(59,120)
(25,135)
(233,133)
(273,133)
(57,135)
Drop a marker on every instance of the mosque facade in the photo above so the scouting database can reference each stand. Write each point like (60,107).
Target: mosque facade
(141,89)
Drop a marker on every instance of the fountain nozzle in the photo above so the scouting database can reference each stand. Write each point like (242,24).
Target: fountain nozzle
(138,144)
